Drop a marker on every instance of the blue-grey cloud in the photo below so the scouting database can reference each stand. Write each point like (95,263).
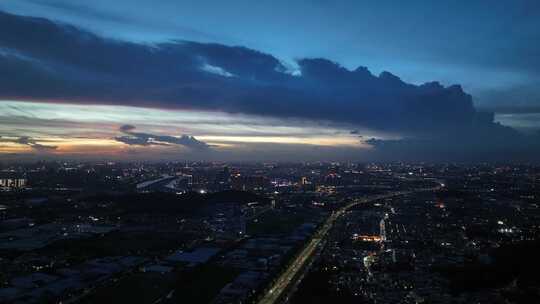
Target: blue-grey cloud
(27,141)
(514,99)
(81,67)
(45,60)
(420,40)
(502,146)
(147,139)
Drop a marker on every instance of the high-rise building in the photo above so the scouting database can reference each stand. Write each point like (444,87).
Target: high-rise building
(12,180)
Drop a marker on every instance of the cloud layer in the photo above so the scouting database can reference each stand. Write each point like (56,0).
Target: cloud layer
(44,61)
(146,139)
(27,141)
(81,67)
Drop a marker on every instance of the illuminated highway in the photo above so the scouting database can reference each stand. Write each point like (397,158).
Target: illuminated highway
(287,278)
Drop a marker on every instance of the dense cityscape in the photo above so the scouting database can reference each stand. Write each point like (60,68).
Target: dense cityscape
(269,152)
(206,232)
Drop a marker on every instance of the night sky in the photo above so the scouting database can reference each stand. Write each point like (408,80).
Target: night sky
(270,80)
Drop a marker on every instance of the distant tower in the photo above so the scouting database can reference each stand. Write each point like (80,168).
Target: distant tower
(226,174)
(382,230)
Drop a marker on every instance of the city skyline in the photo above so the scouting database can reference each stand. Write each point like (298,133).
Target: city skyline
(269,152)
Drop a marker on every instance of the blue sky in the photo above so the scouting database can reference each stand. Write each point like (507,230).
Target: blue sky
(489,48)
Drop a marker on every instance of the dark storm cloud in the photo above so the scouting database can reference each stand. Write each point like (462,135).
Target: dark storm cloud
(146,139)
(63,62)
(483,44)
(27,141)
(514,99)
(84,10)
(126,128)
(506,145)
(44,60)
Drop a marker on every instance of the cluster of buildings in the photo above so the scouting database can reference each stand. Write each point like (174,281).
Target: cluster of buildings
(166,221)
(420,248)
(32,236)
(12,181)
(259,258)
(70,283)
